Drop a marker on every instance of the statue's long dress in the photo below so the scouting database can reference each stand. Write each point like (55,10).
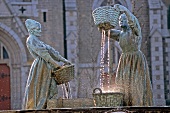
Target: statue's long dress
(133,73)
(40,86)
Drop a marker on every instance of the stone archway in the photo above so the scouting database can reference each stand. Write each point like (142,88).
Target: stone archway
(17,60)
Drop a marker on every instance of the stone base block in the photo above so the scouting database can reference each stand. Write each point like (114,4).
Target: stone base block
(70,103)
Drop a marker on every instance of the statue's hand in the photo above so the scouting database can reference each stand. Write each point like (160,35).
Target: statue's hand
(66,62)
(120,7)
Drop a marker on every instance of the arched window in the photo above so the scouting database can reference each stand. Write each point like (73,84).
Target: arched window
(3,52)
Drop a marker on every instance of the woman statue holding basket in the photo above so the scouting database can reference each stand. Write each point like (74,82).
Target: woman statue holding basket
(132,73)
(40,85)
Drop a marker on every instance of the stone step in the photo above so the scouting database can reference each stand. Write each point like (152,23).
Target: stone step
(126,109)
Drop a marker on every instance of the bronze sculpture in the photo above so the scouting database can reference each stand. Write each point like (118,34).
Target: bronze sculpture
(132,74)
(40,86)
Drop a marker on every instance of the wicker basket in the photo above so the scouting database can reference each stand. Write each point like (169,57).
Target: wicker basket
(64,74)
(107,99)
(106,17)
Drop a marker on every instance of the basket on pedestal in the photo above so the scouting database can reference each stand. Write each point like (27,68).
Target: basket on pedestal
(106,17)
(64,74)
(109,99)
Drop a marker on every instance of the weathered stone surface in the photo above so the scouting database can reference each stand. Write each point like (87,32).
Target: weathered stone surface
(70,103)
(97,110)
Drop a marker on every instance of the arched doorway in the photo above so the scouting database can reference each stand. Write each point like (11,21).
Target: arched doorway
(5,93)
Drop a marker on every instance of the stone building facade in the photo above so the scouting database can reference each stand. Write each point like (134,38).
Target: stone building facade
(13,36)
(159,50)
(67,25)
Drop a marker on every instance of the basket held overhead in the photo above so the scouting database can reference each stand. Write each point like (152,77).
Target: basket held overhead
(106,17)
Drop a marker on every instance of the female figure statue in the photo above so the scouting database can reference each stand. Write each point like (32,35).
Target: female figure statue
(40,86)
(132,72)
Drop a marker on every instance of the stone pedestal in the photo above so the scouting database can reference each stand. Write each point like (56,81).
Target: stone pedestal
(70,103)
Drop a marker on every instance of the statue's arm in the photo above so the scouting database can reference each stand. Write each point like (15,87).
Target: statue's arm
(132,20)
(133,23)
(114,34)
(41,50)
(56,56)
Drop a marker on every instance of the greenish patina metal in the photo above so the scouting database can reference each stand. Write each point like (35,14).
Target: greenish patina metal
(132,74)
(40,85)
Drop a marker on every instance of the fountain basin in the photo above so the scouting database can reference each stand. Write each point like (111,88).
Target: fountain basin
(107,99)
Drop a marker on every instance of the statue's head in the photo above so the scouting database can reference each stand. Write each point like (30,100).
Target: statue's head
(33,27)
(123,22)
